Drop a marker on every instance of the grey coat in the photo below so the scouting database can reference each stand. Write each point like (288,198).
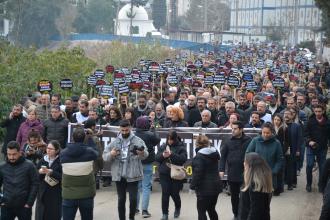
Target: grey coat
(134,169)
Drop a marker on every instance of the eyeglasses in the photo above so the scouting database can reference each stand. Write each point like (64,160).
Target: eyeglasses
(49,148)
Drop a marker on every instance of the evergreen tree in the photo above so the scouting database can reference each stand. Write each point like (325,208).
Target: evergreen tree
(159,13)
(324,6)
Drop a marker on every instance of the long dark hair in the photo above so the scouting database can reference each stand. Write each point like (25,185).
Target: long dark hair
(172,135)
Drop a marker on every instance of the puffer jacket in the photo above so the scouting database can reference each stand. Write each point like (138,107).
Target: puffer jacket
(20,183)
(25,128)
(78,180)
(131,169)
(178,157)
(206,180)
(56,129)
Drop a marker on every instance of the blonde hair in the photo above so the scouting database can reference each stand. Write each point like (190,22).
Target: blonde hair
(177,111)
(257,174)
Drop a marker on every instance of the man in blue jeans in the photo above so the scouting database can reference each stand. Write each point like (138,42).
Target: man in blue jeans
(78,180)
(151,139)
(317,135)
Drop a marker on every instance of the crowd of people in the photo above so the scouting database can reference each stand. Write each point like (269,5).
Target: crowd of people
(293,123)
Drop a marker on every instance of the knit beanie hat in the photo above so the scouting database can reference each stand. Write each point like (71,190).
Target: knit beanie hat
(142,122)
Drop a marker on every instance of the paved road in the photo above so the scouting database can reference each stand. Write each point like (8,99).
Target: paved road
(291,205)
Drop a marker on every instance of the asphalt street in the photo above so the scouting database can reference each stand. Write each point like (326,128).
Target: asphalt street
(290,205)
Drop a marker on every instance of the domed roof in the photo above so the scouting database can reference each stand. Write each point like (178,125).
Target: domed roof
(139,12)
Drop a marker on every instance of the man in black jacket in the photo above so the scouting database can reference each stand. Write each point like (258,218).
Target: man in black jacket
(12,124)
(317,136)
(19,180)
(195,114)
(151,139)
(56,128)
(232,154)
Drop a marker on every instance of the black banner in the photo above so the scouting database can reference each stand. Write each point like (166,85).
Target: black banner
(188,136)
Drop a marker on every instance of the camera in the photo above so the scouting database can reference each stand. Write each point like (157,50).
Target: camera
(135,148)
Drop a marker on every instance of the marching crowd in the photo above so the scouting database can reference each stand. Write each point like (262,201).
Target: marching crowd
(63,177)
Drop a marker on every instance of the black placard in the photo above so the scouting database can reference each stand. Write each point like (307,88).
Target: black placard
(251,86)
(45,86)
(248,77)
(66,84)
(99,73)
(279,83)
(123,89)
(91,80)
(106,91)
(219,78)
(209,80)
(233,81)
(172,80)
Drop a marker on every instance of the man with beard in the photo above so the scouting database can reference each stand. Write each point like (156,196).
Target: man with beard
(141,109)
(273,106)
(301,103)
(169,98)
(68,109)
(195,114)
(19,181)
(159,115)
(82,115)
(43,110)
(261,108)
(291,103)
(295,140)
(125,154)
(12,124)
(232,154)
(318,136)
(212,106)
(255,122)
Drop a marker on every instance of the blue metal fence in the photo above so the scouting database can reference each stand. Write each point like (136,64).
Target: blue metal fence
(176,44)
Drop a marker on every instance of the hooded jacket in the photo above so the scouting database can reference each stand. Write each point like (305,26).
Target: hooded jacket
(20,183)
(270,150)
(206,180)
(78,181)
(129,168)
(25,128)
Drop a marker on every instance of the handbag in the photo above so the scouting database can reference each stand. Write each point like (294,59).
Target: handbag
(50,180)
(177,172)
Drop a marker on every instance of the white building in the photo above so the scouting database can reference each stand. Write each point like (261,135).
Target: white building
(141,24)
(298,18)
(183,7)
